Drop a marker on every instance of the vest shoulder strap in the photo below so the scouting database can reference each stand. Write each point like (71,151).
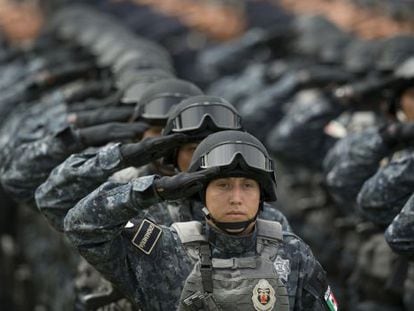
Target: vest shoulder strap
(269,230)
(189,232)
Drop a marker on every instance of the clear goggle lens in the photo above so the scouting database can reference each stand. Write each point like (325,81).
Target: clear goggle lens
(193,117)
(224,155)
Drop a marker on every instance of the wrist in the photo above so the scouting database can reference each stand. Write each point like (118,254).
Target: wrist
(390,135)
(144,190)
(70,138)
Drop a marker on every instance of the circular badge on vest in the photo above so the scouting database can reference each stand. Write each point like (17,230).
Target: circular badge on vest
(263,296)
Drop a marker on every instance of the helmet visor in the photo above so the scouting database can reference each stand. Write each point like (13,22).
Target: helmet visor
(224,154)
(159,108)
(192,118)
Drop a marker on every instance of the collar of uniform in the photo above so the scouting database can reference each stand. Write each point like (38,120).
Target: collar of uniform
(226,246)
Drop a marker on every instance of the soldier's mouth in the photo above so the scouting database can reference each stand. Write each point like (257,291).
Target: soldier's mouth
(235,215)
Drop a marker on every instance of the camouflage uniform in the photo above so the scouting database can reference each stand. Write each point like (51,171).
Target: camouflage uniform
(350,162)
(400,236)
(359,177)
(81,173)
(400,233)
(384,194)
(300,135)
(32,163)
(29,122)
(97,227)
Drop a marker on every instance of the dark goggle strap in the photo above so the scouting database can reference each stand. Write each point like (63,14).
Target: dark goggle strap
(225,153)
(193,117)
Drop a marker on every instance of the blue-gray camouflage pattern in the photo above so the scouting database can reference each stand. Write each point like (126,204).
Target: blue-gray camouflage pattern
(350,162)
(32,163)
(28,122)
(299,136)
(96,226)
(400,233)
(75,178)
(384,194)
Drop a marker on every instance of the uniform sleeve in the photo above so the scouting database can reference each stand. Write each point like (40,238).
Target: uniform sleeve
(102,214)
(351,162)
(96,227)
(72,180)
(385,193)
(300,134)
(400,233)
(317,294)
(32,163)
(272,213)
(307,281)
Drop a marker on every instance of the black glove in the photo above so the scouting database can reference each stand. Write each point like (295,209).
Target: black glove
(184,184)
(316,76)
(153,148)
(99,116)
(398,135)
(99,135)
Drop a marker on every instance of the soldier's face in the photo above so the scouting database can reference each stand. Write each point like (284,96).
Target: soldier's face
(153,131)
(233,199)
(407,104)
(184,156)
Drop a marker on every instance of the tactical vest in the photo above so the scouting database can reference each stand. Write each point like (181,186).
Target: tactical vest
(241,283)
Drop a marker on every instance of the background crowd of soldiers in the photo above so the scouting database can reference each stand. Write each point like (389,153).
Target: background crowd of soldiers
(335,110)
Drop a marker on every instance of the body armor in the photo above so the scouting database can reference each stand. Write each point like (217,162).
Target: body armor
(240,283)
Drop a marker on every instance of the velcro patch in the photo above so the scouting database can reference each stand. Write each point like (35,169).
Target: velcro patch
(147,236)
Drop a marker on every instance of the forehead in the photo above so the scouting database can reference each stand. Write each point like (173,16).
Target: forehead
(189,146)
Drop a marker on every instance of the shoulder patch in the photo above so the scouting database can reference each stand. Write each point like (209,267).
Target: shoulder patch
(147,236)
(330,300)
(282,267)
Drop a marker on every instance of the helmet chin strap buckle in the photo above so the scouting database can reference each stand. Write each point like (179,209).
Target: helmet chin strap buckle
(206,213)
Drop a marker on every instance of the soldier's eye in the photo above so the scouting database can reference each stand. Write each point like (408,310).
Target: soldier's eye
(223,185)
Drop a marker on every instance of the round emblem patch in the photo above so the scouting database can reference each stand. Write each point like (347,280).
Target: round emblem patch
(263,296)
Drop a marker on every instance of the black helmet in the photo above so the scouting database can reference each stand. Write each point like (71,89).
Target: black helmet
(201,116)
(238,154)
(140,59)
(129,77)
(134,83)
(360,55)
(395,51)
(314,32)
(159,98)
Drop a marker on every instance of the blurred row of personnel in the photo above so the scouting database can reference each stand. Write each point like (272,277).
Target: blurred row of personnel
(336,112)
(89,82)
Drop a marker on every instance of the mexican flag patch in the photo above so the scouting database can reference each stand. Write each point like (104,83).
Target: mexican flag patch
(330,300)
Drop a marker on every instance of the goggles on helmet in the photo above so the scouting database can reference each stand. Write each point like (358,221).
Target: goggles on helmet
(159,108)
(224,154)
(192,118)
